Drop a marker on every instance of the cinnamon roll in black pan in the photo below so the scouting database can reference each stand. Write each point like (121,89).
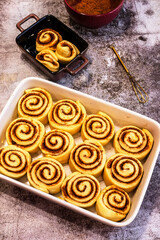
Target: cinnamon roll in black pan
(49,59)
(26,40)
(47,39)
(66,51)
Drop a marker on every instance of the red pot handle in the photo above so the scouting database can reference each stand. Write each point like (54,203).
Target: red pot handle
(77,61)
(32,15)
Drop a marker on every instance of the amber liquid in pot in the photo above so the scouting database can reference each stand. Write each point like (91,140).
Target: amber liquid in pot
(93,7)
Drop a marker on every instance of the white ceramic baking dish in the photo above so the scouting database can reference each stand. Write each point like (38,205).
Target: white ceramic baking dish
(120,116)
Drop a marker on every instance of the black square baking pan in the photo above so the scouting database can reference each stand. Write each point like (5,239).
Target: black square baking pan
(26,40)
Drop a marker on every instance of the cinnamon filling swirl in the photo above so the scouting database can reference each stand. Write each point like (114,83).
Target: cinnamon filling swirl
(113,203)
(123,171)
(81,189)
(14,161)
(88,157)
(58,144)
(47,39)
(66,51)
(116,200)
(133,141)
(67,115)
(35,103)
(25,133)
(99,127)
(46,174)
(49,59)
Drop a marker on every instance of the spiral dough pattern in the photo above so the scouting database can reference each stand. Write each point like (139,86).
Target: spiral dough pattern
(113,203)
(46,174)
(14,161)
(88,157)
(47,38)
(81,189)
(25,133)
(66,51)
(58,144)
(67,115)
(99,127)
(49,59)
(133,141)
(35,103)
(123,171)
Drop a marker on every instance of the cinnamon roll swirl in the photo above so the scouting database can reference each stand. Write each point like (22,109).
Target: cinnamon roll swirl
(25,133)
(88,157)
(67,115)
(99,127)
(46,174)
(113,203)
(81,189)
(58,144)
(133,141)
(66,51)
(49,59)
(14,161)
(123,171)
(35,103)
(47,38)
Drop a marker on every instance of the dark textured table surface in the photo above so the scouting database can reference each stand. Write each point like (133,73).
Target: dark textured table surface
(136,35)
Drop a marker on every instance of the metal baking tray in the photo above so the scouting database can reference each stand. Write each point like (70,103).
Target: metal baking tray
(121,117)
(26,40)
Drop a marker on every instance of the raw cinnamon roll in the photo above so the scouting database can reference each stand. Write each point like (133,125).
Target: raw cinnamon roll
(46,174)
(35,103)
(66,51)
(47,38)
(49,59)
(67,115)
(133,141)
(58,144)
(25,133)
(113,203)
(123,171)
(88,157)
(99,127)
(81,189)
(14,161)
